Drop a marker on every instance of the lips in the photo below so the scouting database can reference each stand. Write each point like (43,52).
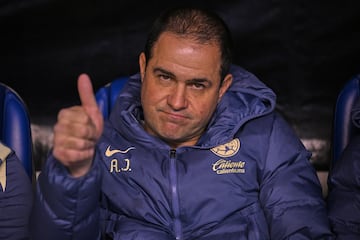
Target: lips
(176,116)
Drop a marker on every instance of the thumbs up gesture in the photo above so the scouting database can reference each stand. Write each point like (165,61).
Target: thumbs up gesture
(77,130)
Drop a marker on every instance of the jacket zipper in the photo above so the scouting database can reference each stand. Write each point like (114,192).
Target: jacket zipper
(174,195)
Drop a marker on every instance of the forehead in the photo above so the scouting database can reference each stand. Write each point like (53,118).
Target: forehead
(184,54)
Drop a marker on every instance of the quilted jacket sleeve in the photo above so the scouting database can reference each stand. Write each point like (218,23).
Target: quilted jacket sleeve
(66,207)
(290,191)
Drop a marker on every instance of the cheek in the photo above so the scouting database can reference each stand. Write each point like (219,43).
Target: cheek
(151,95)
(146,92)
(205,109)
(206,102)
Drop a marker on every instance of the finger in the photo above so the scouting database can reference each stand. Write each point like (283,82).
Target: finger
(70,157)
(80,130)
(86,92)
(72,143)
(88,101)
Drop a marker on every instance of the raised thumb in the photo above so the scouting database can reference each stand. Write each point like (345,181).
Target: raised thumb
(88,102)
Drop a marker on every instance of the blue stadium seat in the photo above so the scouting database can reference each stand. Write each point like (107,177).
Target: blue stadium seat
(343,129)
(107,95)
(15,126)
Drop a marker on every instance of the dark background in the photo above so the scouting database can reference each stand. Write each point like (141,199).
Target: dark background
(304,50)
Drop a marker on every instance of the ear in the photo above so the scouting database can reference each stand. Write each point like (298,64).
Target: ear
(142,65)
(225,85)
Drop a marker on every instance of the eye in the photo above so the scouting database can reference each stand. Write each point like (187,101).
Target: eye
(197,85)
(164,77)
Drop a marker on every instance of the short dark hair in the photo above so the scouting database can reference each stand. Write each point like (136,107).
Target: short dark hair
(198,24)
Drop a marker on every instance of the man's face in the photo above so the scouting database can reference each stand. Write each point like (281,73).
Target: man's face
(180,88)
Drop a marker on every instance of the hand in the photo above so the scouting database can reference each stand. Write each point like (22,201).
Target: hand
(77,130)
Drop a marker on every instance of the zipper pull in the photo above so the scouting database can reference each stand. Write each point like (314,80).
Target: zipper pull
(172,153)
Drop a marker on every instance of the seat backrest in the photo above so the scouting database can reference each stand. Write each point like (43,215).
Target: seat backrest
(343,129)
(15,126)
(106,96)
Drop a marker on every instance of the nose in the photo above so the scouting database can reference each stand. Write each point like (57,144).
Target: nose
(177,98)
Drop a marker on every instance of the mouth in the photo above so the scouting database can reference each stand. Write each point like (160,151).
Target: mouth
(175,117)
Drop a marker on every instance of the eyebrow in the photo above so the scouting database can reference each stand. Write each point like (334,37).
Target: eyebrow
(193,80)
(159,69)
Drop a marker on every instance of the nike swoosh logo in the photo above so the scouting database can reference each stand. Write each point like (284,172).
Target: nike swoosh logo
(109,152)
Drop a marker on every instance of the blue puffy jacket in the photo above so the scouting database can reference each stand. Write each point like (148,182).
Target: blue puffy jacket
(248,177)
(344,187)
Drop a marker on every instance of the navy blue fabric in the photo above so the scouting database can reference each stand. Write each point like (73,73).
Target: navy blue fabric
(248,177)
(355,113)
(15,202)
(344,186)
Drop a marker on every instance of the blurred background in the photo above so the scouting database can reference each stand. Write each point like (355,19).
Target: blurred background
(304,50)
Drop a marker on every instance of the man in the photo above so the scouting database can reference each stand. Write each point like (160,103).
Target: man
(16,196)
(192,150)
(344,185)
